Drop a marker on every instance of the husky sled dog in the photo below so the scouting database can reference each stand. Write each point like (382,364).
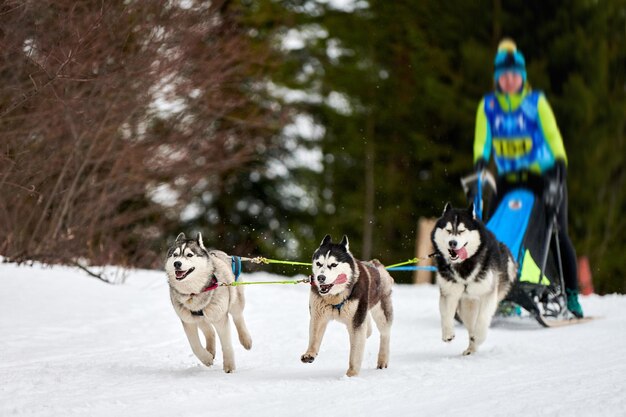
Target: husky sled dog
(348,290)
(194,274)
(475,273)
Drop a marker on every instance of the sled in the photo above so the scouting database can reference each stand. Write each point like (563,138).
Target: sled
(524,223)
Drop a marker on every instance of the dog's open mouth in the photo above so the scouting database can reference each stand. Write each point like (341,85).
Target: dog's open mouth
(180,275)
(460,253)
(324,288)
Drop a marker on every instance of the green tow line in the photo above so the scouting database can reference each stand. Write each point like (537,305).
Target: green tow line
(410,261)
(237,283)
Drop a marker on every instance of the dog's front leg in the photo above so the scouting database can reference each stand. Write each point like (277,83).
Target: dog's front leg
(191,330)
(317,327)
(358,336)
(209,335)
(223,331)
(448,302)
(488,307)
(468,311)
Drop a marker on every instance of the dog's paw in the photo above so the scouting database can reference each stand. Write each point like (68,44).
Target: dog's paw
(229,368)
(307,358)
(382,365)
(246,341)
(352,372)
(207,359)
(447,335)
(469,351)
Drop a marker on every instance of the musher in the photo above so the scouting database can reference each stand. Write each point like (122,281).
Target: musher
(518,125)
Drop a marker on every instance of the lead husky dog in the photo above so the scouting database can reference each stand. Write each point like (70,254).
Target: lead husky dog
(194,274)
(475,273)
(348,290)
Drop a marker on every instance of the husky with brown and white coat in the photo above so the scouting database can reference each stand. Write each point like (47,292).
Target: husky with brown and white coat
(194,274)
(349,291)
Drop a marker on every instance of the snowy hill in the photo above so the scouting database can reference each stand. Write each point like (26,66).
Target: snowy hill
(71,345)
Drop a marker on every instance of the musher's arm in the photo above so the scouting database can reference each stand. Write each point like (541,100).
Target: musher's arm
(482,136)
(551,130)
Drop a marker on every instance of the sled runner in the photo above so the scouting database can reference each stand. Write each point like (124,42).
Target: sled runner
(529,228)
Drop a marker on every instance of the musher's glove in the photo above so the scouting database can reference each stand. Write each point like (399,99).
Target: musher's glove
(471,187)
(552,194)
(480,165)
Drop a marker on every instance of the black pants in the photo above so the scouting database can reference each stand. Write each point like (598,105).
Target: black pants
(568,253)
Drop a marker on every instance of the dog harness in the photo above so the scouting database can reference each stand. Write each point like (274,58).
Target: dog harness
(236,265)
(338,306)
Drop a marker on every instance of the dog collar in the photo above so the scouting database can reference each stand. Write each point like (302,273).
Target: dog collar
(338,306)
(209,287)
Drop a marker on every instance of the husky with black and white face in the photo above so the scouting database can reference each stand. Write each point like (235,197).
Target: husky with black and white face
(194,274)
(475,273)
(349,291)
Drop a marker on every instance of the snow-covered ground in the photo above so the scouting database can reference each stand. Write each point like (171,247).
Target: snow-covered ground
(71,345)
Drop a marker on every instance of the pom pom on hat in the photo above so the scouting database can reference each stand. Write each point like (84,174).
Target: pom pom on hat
(509,59)
(508,45)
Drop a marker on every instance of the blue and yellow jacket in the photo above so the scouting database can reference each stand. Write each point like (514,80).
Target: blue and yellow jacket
(521,130)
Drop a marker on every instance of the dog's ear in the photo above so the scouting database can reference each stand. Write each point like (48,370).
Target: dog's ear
(180,238)
(447,208)
(200,242)
(326,240)
(344,242)
(472,210)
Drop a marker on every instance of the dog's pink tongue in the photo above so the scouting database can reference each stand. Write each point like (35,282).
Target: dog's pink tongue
(462,253)
(341,279)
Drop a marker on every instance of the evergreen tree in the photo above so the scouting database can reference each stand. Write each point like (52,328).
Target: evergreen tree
(396,87)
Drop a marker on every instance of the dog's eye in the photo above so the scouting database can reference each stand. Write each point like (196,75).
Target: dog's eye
(190,255)
(332,265)
(319,264)
(462,231)
(449,230)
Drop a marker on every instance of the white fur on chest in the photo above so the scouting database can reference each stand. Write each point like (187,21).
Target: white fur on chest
(320,307)
(213,304)
(469,287)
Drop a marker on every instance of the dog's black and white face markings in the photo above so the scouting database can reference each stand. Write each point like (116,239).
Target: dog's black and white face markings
(457,234)
(333,266)
(181,255)
(187,262)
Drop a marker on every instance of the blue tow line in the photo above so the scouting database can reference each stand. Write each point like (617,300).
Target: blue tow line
(413,268)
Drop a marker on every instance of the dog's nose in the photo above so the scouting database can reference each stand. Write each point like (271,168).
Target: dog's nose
(178,264)
(321,278)
(452,244)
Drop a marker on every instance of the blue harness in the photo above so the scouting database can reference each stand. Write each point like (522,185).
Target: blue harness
(236,265)
(338,306)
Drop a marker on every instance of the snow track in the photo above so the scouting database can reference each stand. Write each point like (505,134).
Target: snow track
(73,346)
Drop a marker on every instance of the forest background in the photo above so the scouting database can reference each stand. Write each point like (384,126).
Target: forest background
(268,124)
